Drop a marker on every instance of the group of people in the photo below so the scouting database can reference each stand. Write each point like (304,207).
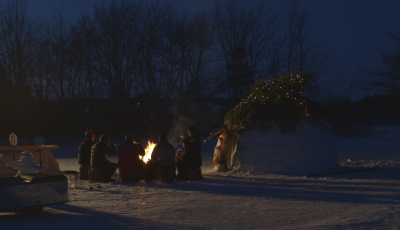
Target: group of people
(93,155)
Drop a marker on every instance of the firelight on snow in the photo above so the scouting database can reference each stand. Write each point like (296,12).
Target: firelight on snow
(148,151)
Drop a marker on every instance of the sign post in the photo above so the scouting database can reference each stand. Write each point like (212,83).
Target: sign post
(13,142)
(39,144)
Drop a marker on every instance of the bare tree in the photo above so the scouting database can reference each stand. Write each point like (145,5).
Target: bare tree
(42,83)
(173,51)
(297,49)
(84,43)
(249,30)
(205,82)
(151,32)
(19,36)
(117,53)
(190,59)
(58,39)
(387,80)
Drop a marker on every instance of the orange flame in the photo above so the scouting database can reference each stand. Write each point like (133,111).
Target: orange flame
(148,151)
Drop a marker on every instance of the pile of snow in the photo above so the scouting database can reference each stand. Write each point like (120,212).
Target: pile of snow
(312,150)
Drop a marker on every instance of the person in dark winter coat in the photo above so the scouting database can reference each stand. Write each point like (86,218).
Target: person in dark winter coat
(99,161)
(191,157)
(164,152)
(129,163)
(84,154)
(85,149)
(162,157)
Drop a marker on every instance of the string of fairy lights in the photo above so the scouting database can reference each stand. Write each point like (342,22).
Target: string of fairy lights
(270,87)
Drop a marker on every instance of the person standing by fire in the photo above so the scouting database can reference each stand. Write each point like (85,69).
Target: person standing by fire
(129,163)
(99,161)
(189,162)
(84,154)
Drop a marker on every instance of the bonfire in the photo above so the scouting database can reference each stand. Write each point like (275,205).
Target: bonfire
(148,151)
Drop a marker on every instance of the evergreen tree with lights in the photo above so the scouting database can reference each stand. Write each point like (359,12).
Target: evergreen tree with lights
(279,101)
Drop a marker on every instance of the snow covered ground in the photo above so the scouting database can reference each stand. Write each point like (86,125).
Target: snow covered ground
(240,200)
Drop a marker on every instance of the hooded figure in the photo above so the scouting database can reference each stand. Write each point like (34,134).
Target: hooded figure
(99,160)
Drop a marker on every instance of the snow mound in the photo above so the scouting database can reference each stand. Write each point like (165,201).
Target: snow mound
(312,150)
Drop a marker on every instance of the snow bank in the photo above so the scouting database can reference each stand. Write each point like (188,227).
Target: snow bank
(311,150)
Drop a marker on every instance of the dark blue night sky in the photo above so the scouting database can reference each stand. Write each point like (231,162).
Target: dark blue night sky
(354,28)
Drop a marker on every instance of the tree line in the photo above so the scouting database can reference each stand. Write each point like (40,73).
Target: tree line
(129,48)
(150,51)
